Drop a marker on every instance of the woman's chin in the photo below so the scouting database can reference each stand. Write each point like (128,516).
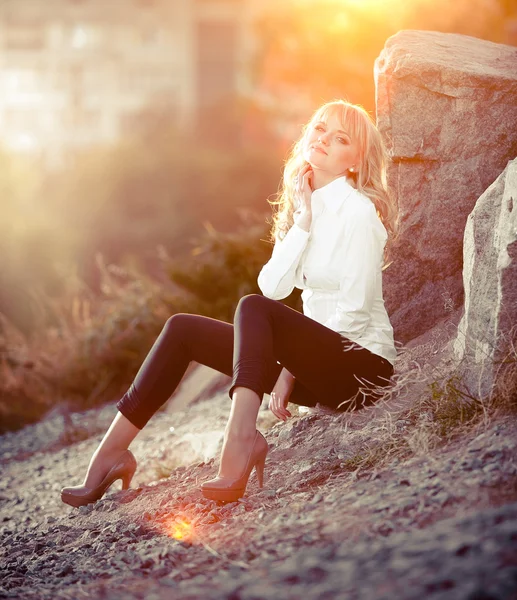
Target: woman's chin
(314,159)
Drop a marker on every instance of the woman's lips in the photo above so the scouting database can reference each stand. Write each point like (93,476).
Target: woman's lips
(318,149)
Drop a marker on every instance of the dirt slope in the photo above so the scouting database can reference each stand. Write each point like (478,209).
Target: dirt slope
(330,522)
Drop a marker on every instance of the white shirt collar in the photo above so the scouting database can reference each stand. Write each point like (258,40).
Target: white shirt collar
(333,194)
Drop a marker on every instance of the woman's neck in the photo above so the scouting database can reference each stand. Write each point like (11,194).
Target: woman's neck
(322,178)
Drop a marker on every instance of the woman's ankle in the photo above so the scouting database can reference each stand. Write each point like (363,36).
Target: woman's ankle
(241,433)
(100,464)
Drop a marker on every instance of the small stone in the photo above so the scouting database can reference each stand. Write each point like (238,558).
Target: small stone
(408,504)
(491,467)
(443,498)
(67,570)
(471,481)
(270,493)
(168,582)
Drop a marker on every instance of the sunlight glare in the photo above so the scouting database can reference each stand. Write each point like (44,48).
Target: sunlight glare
(180,529)
(374,3)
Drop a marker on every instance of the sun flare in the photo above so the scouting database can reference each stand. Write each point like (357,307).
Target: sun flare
(180,529)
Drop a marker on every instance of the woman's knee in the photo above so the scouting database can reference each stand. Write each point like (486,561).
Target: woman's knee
(251,302)
(177,324)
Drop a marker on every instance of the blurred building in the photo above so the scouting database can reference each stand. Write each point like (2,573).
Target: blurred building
(74,73)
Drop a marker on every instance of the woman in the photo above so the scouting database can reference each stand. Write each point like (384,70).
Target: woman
(330,233)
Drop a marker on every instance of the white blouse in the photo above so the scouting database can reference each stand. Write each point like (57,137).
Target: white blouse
(338,265)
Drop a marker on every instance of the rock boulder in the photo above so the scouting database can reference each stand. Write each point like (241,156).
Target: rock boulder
(447,110)
(487,334)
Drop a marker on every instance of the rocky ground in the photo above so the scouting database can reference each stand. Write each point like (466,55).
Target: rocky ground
(436,522)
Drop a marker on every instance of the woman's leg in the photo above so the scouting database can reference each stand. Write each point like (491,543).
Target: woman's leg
(266,334)
(117,439)
(328,368)
(239,432)
(184,338)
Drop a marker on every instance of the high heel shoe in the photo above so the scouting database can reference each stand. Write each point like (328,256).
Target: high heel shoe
(230,490)
(80,495)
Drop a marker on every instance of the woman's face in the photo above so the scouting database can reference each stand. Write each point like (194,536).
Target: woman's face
(329,147)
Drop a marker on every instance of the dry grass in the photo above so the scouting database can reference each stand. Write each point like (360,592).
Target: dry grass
(96,344)
(89,355)
(428,405)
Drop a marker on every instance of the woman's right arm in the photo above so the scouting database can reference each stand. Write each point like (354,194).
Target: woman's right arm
(277,277)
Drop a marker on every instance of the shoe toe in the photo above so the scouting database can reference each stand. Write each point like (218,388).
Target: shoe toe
(219,483)
(76,491)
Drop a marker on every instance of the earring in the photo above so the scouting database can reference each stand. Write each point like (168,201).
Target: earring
(351,169)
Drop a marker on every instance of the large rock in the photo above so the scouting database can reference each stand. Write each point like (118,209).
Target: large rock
(487,334)
(447,110)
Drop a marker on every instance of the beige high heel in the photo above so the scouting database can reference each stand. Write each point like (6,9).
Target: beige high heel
(80,495)
(230,490)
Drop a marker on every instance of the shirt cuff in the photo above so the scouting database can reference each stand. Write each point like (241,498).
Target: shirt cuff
(295,238)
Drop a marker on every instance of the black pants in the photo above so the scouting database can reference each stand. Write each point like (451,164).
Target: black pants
(266,336)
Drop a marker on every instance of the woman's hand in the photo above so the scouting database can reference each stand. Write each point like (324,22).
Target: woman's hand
(303,193)
(280,395)
(303,188)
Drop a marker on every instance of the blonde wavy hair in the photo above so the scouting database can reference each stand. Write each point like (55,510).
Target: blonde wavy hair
(369,177)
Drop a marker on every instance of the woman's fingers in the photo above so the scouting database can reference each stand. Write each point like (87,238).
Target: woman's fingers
(273,407)
(307,181)
(304,171)
(277,407)
(304,185)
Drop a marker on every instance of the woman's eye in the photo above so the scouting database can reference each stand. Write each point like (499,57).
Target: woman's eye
(342,140)
(319,128)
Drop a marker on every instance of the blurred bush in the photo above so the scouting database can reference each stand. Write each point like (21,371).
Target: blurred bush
(123,202)
(93,353)
(127,200)
(223,268)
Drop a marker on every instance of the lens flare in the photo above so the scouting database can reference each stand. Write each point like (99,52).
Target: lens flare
(181,529)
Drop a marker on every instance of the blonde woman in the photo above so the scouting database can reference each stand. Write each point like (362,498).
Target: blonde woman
(330,231)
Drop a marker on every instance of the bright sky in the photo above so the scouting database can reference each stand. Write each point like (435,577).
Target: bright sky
(367,3)
(382,6)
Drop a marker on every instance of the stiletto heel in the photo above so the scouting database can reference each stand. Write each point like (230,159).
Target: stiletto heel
(123,469)
(259,470)
(126,480)
(230,490)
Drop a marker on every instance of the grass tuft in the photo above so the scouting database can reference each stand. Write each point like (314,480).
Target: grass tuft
(428,406)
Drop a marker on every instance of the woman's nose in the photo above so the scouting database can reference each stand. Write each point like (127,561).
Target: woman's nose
(323,138)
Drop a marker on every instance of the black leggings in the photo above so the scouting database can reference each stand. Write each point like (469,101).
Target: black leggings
(267,335)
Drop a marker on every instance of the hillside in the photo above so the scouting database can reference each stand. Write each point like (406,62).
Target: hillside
(373,505)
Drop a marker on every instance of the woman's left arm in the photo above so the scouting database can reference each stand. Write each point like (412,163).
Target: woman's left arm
(361,258)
